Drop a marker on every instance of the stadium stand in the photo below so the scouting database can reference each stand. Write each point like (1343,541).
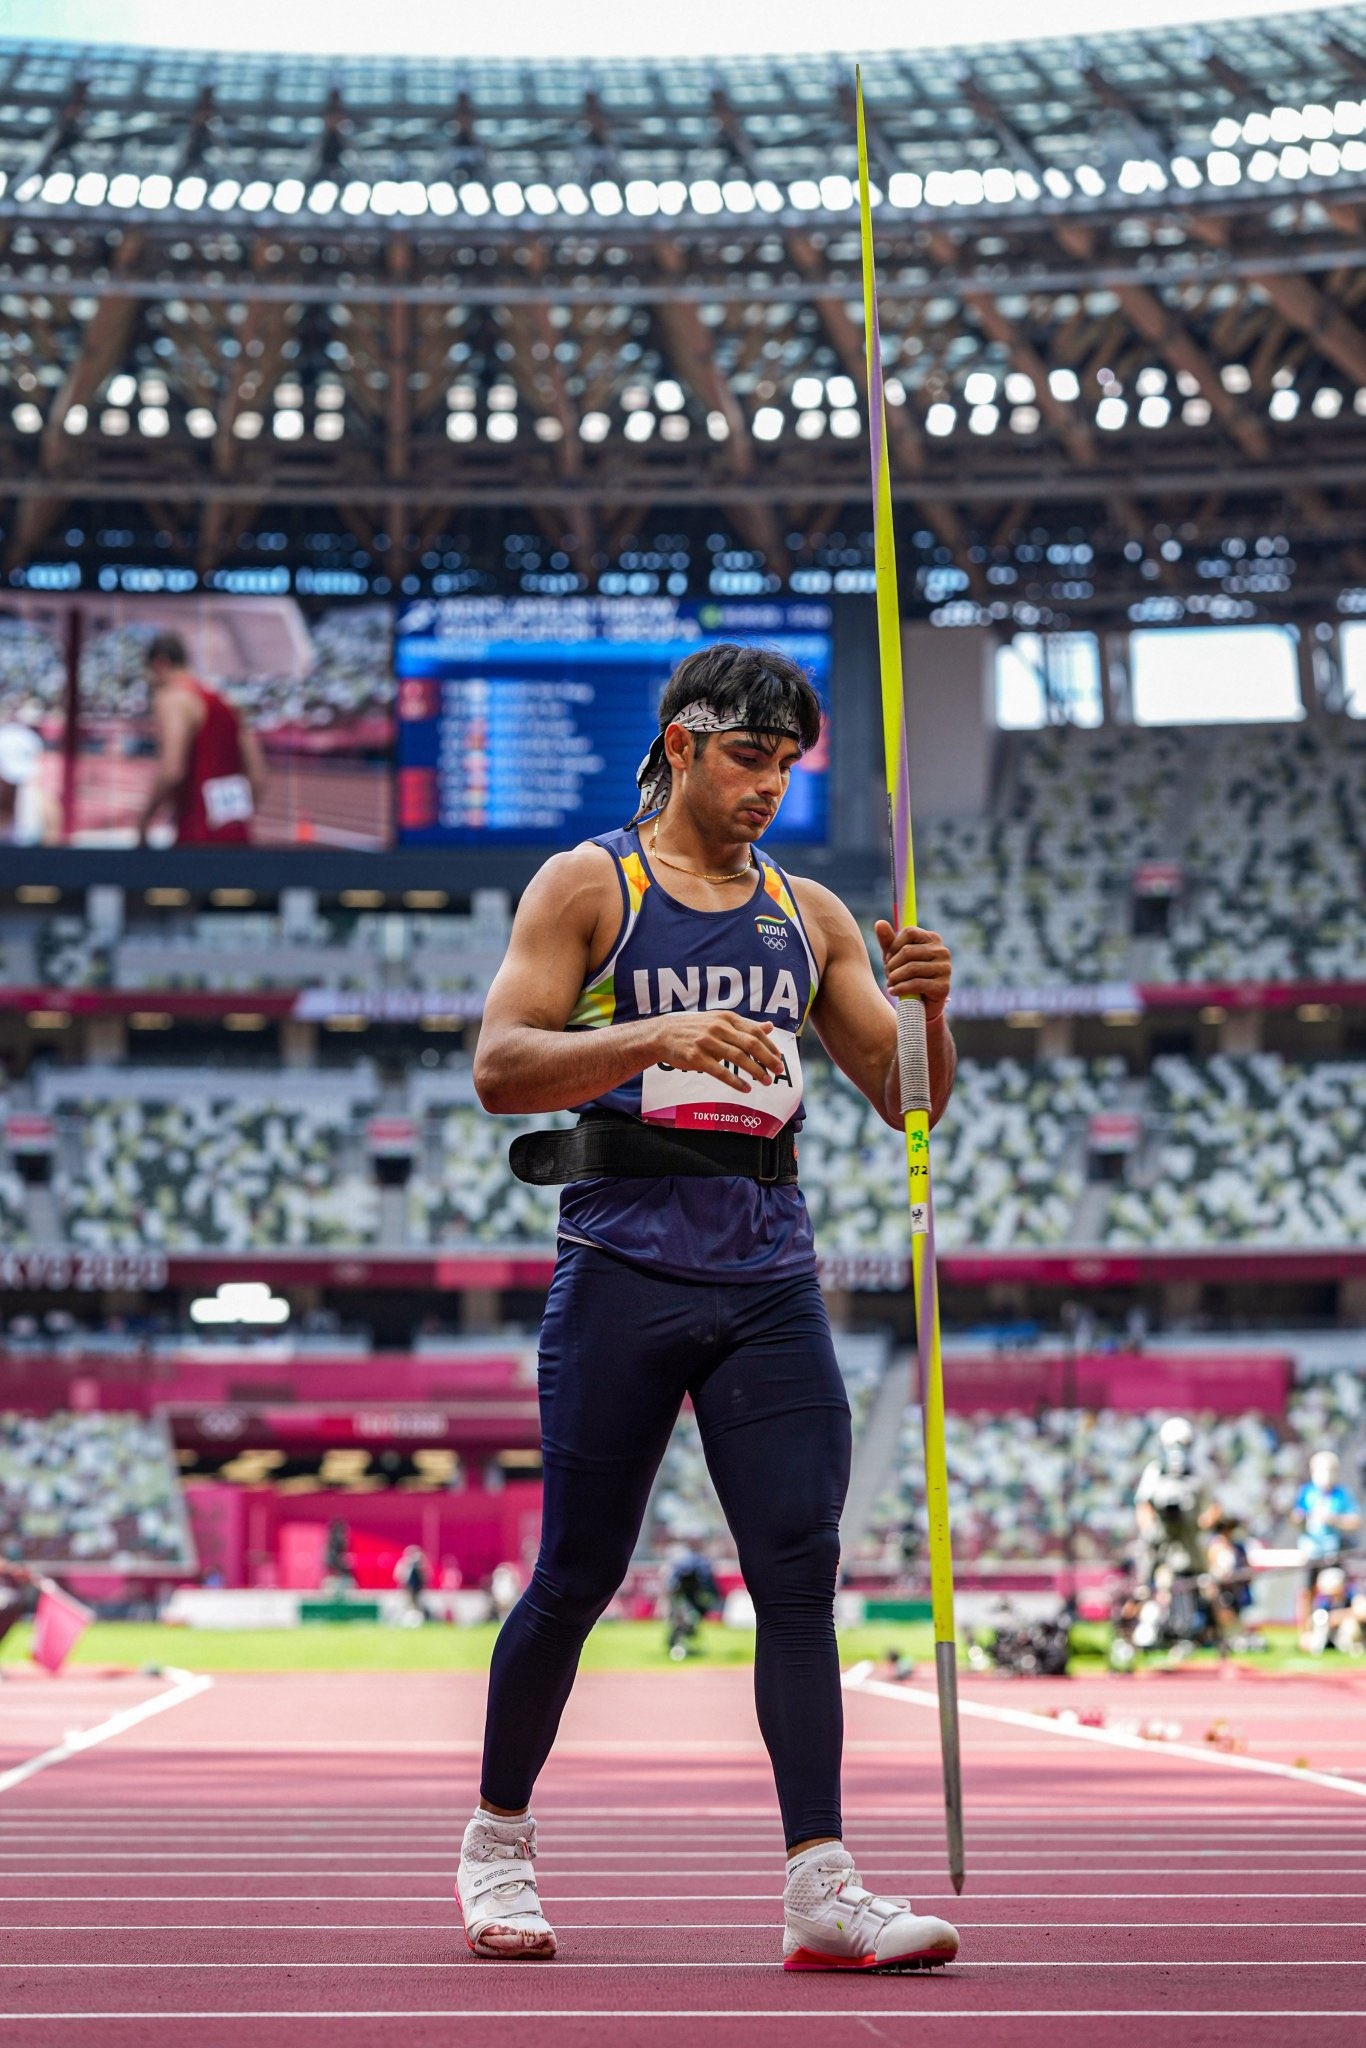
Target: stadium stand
(1249,1148)
(90,1489)
(464,1189)
(1007,1474)
(1277,857)
(148,1161)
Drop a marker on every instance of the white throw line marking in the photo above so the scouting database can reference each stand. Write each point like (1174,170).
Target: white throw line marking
(918,2015)
(185,1685)
(1039,1724)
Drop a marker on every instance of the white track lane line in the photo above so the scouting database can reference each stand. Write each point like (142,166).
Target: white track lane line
(961,1971)
(185,1685)
(1037,1724)
(594,1858)
(595,1926)
(919,2015)
(581,1899)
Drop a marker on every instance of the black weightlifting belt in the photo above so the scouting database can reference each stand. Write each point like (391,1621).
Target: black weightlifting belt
(606,1143)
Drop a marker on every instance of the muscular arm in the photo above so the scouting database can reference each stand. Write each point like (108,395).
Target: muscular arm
(526,1061)
(175,724)
(853,1019)
(253,762)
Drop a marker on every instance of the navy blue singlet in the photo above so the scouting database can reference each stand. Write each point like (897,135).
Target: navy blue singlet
(756,961)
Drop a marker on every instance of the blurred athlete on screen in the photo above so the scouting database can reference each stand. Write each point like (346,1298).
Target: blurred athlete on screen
(210,766)
(659,980)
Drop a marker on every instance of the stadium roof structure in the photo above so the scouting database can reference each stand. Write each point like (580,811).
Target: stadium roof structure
(548,320)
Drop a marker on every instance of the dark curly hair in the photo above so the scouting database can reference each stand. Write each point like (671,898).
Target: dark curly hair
(736,679)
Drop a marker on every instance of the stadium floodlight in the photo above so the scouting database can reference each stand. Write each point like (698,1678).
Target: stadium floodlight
(594,426)
(200,423)
(78,419)
(635,397)
(247,426)
(768,423)
(508,199)
(810,426)
(1111,413)
(983,419)
(289,195)
(288,424)
(1058,182)
(460,426)
(807,392)
(1027,185)
(501,426)
(1089,181)
(330,426)
(323,196)
(474,199)
(441,198)
(705,195)
(674,427)
(384,198)
(330,396)
(905,188)
(1225,132)
(154,421)
(1354,156)
(1187,173)
(767,196)
(1327,403)
(1150,383)
(1294,161)
(1063,384)
(154,390)
(224,195)
(668,395)
(1154,411)
(1263,165)
(998,185)
(123,389)
(28,188)
(412,198)
(113,421)
(190,194)
(58,188)
(1019,388)
(639,426)
(837,194)
(289,392)
(1324,160)
(606,198)
(355,196)
(979,388)
(939,189)
(548,428)
(155,192)
(1317,121)
(718,426)
(1196,412)
(894,391)
(841,391)
(27,417)
(541,199)
(804,194)
(240,1301)
(502,398)
(1257,129)
(91,187)
(1349,117)
(460,398)
(642,198)
(967,187)
(124,188)
(257,195)
(1285,124)
(738,195)
(573,199)
(941,419)
(673,195)
(1025,419)
(1284,404)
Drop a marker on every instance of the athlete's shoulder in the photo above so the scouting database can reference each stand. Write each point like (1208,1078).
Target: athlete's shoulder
(822,910)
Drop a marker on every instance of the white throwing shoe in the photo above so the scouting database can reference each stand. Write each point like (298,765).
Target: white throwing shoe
(496,1891)
(832,1923)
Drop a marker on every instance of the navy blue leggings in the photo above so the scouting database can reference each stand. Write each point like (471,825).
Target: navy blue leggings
(620,1347)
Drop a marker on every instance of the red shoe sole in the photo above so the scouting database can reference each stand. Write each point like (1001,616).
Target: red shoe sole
(923,1959)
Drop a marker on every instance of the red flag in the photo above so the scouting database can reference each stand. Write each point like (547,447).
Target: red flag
(58,1626)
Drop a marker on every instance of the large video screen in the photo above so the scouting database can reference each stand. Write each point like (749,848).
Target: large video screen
(521,721)
(291,709)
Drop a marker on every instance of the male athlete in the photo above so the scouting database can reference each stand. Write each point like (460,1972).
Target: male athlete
(659,980)
(210,765)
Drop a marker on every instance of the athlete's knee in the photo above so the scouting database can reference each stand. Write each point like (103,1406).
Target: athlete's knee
(575,1589)
(799,1572)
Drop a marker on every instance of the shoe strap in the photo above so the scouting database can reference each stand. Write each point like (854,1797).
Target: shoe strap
(478,1878)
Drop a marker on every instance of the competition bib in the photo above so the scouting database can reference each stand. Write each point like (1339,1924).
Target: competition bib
(698,1102)
(227,799)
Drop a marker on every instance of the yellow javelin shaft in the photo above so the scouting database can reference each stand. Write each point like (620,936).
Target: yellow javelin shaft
(911,1043)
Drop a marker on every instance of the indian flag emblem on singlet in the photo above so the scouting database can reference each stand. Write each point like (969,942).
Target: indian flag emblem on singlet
(773,932)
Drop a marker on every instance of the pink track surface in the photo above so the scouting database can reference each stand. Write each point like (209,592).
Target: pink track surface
(271,1860)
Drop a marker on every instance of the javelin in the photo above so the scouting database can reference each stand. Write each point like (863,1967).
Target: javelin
(912,1048)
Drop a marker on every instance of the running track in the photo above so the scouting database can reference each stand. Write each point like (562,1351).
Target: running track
(270,1859)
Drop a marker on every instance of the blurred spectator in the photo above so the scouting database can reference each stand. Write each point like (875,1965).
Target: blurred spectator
(413,1574)
(92,1488)
(1327,1513)
(210,766)
(339,1571)
(27,816)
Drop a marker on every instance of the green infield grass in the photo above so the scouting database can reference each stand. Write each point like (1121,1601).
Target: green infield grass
(613,1646)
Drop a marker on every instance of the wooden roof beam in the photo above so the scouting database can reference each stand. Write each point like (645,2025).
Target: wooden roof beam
(104,346)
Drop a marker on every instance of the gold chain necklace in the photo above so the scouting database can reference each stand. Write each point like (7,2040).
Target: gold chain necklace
(738,874)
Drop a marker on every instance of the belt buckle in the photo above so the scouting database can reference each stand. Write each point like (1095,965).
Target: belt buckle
(770,1153)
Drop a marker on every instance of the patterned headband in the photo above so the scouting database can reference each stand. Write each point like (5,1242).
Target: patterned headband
(654,775)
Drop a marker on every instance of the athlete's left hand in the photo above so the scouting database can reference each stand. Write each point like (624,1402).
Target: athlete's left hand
(918,963)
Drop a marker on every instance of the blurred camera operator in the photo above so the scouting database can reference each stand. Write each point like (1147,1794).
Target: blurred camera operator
(1327,1512)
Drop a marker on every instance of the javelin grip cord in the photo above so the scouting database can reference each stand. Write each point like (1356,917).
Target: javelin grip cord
(913,1055)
